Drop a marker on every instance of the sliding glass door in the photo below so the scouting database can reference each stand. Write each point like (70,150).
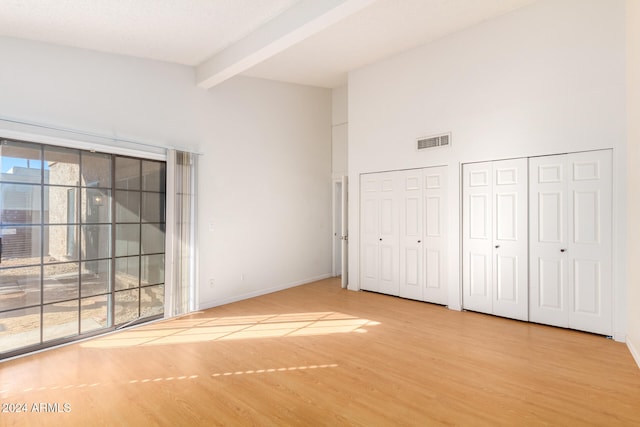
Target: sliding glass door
(81,243)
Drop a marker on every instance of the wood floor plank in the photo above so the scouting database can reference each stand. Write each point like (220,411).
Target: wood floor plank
(320,355)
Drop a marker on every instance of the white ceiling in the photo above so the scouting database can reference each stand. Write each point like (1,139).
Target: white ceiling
(307,48)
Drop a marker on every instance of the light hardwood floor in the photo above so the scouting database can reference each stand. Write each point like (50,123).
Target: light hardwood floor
(320,355)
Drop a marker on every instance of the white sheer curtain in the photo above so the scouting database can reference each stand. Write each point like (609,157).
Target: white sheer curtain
(181,262)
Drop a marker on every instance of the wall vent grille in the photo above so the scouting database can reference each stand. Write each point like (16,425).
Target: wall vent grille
(434,141)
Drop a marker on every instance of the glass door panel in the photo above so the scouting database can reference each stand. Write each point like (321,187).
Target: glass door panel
(80,252)
(61,282)
(95,169)
(153,207)
(96,241)
(19,287)
(127,239)
(20,328)
(20,203)
(60,320)
(151,300)
(96,206)
(152,271)
(127,272)
(62,166)
(128,173)
(96,277)
(20,162)
(152,238)
(153,176)
(127,206)
(127,306)
(95,313)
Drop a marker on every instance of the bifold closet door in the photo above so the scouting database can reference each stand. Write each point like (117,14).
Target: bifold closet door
(379,250)
(423,226)
(570,253)
(411,234)
(435,235)
(495,262)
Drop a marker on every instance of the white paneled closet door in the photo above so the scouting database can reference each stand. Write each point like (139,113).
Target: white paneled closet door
(403,249)
(423,241)
(435,235)
(380,232)
(477,218)
(369,233)
(570,253)
(510,239)
(411,225)
(495,240)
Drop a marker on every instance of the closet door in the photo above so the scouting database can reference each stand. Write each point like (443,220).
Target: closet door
(380,235)
(589,248)
(435,235)
(570,252)
(495,261)
(423,243)
(411,232)
(548,290)
(477,271)
(369,233)
(510,240)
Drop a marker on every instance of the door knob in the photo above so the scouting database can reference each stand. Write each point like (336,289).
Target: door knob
(419,241)
(381,239)
(562,250)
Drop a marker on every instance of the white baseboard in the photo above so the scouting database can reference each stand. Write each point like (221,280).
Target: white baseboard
(222,301)
(633,350)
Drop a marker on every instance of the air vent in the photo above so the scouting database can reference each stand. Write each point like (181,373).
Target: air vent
(434,141)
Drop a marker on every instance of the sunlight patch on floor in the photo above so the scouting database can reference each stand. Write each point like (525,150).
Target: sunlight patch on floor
(179,378)
(204,329)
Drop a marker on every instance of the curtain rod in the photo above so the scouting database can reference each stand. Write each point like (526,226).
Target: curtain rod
(94,135)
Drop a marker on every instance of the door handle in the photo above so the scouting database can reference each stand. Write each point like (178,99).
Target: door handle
(381,239)
(419,241)
(562,250)
(497,246)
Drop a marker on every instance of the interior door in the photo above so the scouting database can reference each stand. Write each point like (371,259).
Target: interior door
(589,248)
(337,228)
(477,271)
(548,290)
(435,235)
(369,235)
(570,252)
(389,233)
(510,248)
(344,232)
(411,235)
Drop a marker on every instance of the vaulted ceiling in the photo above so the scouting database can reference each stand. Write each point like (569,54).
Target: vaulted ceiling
(312,42)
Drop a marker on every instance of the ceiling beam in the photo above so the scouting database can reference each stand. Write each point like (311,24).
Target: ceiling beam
(302,20)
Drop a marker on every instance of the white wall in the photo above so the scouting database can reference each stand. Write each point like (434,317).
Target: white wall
(265,189)
(547,78)
(633,160)
(339,127)
(265,172)
(108,94)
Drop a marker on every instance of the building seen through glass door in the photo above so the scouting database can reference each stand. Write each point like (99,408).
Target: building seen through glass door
(81,243)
